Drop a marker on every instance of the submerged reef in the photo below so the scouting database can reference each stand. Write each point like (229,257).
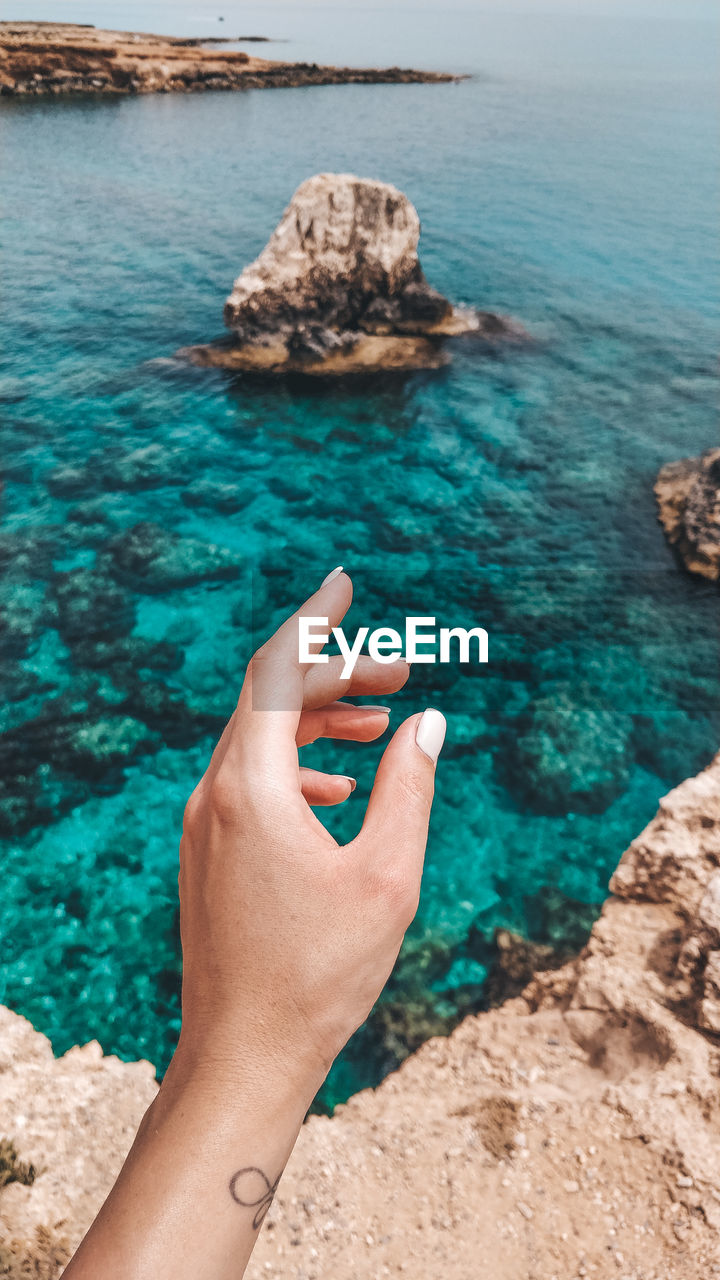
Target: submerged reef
(570,751)
(339,289)
(117,706)
(688,496)
(577,1124)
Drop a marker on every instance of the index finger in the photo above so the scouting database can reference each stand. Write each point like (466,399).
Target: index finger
(271,699)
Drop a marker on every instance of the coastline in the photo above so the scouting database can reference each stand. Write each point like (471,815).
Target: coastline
(573,1130)
(575,1127)
(40,59)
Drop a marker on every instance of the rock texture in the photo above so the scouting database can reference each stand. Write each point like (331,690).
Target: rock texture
(339,288)
(573,1132)
(41,58)
(73,1119)
(688,496)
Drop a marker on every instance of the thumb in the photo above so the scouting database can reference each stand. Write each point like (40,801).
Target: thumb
(398,811)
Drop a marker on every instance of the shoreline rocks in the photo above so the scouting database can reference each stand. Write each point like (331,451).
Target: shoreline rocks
(38,59)
(339,289)
(688,497)
(577,1125)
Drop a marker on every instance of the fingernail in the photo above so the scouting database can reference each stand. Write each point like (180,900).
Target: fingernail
(332,575)
(430,733)
(369,707)
(352,781)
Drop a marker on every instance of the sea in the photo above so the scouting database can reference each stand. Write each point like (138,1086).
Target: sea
(571,182)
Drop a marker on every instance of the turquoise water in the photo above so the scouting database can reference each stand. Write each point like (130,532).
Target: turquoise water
(572,183)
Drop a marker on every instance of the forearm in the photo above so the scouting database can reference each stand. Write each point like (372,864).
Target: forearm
(200,1176)
(288,939)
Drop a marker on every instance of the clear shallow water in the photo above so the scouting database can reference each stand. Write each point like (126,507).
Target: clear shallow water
(570,184)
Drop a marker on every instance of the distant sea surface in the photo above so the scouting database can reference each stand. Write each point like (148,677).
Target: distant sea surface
(571,182)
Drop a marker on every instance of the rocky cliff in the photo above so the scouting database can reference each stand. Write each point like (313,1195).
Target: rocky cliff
(573,1132)
(688,496)
(339,288)
(41,58)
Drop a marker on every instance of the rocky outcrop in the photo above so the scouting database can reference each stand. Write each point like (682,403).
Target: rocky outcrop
(688,496)
(575,1131)
(91,1105)
(339,288)
(41,58)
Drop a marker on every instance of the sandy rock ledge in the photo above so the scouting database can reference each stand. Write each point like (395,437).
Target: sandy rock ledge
(38,59)
(573,1132)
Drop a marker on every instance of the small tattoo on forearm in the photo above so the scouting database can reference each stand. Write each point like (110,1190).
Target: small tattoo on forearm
(252,1189)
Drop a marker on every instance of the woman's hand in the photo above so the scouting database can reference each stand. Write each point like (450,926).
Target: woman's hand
(288,939)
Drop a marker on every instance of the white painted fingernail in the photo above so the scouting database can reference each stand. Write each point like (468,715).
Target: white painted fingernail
(352,781)
(430,733)
(332,575)
(369,707)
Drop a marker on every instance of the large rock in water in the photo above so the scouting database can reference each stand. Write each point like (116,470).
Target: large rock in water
(339,286)
(344,255)
(688,496)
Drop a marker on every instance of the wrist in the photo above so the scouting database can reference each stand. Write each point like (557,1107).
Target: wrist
(229,1074)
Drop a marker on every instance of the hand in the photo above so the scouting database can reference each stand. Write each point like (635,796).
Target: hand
(288,938)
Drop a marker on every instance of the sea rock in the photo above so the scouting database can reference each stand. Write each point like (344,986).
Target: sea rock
(555,918)
(27,555)
(339,288)
(69,480)
(17,684)
(127,658)
(168,714)
(344,247)
(76,744)
(511,960)
(577,1125)
(670,738)
(224,497)
(91,522)
(688,497)
(571,753)
(91,605)
(152,559)
(147,467)
(74,738)
(23,617)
